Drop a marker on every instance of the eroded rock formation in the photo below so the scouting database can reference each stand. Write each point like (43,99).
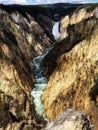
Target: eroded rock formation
(76,33)
(21,39)
(70,120)
(24,34)
(74,72)
(74,18)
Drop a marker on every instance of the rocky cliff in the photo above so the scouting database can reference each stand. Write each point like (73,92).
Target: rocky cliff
(25,32)
(72,19)
(76,33)
(21,39)
(71,66)
(72,70)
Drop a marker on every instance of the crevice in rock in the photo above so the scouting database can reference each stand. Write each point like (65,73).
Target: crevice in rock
(13,118)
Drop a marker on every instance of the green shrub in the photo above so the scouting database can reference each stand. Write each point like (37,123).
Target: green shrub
(92,7)
(94,92)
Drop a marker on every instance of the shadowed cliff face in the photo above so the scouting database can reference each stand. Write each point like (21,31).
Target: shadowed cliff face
(21,39)
(75,72)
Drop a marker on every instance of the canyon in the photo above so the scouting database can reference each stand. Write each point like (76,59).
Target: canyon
(69,70)
(21,39)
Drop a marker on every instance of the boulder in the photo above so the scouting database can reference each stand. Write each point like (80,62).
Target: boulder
(70,120)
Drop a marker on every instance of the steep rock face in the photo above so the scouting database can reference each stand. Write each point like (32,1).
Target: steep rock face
(76,33)
(21,39)
(23,27)
(47,23)
(16,104)
(74,18)
(75,73)
(70,120)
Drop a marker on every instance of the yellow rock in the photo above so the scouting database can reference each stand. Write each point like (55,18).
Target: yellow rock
(71,81)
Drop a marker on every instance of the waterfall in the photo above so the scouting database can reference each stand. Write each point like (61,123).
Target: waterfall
(40,84)
(55,31)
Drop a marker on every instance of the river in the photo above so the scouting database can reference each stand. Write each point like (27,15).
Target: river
(41,81)
(40,84)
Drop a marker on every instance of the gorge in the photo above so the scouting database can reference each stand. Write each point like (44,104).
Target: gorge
(40,80)
(61,75)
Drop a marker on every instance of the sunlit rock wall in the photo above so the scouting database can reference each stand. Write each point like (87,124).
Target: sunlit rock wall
(75,72)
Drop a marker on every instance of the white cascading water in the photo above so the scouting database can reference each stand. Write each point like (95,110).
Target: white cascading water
(55,31)
(40,84)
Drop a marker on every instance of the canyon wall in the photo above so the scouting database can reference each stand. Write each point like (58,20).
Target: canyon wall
(21,39)
(72,19)
(71,66)
(72,69)
(76,33)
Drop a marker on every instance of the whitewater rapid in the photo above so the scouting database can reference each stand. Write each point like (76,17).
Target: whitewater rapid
(40,84)
(40,79)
